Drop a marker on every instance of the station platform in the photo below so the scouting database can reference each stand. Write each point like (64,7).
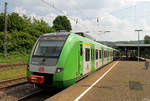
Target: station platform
(124,81)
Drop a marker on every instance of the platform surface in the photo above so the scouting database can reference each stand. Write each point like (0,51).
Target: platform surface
(127,81)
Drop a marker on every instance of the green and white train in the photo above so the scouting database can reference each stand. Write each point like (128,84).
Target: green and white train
(61,59)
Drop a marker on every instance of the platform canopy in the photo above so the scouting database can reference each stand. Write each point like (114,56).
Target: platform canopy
(132,49)
(131,46)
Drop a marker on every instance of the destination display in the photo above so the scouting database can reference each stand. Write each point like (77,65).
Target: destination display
(54,38)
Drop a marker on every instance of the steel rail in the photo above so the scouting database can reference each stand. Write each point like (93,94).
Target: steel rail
(12,82)
(29,95)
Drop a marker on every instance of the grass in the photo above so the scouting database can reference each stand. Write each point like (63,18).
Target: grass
(14,58)
(13,72)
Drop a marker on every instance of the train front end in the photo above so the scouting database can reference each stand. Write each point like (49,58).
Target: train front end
(43,63)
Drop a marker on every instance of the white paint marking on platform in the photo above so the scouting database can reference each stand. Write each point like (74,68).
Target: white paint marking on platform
(79,97)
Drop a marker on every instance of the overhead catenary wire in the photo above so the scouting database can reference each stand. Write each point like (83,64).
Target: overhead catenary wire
(53,6)
(97,19)
(61,11)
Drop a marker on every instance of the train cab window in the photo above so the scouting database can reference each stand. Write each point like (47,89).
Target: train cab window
(87,54)
(96,53)
(49,46)
(81,50)
(100,54)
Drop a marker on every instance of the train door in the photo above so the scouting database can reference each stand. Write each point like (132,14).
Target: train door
(96,58)
(80,59)
(111,55)
(108,55)
(92,58)
(105,56)
(86,58)
(100,57)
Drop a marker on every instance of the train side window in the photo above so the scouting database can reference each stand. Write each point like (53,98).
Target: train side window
(81,50)
(105,54)
(96,52)
(100,54)
(87,54)
(91,54)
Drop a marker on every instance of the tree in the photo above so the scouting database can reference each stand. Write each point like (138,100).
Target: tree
(42,26)
(15,22)
(22,32)
(1,22)
(146,53)
(147,39)
(62,23)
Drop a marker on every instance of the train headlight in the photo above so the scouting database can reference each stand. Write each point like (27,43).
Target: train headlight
(58,70)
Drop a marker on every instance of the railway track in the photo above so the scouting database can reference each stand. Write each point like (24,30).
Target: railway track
(39,94)
(29,95)
(12,82)
(10,65)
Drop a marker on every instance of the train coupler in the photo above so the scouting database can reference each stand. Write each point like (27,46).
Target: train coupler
(36,79)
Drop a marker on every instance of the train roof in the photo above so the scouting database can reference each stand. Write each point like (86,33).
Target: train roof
(68,33)
(56,33)
(86,37)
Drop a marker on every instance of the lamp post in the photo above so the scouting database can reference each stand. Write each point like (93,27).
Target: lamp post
(104,31)
(138,42)
(107,31)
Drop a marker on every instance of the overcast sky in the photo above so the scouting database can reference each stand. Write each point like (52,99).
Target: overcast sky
(121,17)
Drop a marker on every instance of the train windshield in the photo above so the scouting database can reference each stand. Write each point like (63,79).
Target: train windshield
(48,48)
